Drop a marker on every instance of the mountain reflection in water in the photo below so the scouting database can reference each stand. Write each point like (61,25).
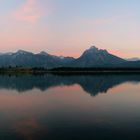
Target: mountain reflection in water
(54,107)
(92,84)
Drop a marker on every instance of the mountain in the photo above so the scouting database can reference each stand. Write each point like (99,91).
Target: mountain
(133,59)
(28,59)
(92,57)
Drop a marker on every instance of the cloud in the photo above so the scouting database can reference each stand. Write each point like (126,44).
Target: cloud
(29,12)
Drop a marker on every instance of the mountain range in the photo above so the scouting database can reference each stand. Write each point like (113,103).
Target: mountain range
(133,59)
(92,57)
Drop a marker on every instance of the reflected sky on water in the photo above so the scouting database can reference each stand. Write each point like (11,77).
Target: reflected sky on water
(70,107)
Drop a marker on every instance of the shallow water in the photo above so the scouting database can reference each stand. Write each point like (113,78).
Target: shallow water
(70,107)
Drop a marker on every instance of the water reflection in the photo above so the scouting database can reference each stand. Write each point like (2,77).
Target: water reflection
(58,107)
(91,84)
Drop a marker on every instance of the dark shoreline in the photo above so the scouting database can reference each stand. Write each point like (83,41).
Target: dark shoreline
(69,71)
(92,71)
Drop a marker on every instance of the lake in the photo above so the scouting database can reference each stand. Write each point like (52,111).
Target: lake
(55,107)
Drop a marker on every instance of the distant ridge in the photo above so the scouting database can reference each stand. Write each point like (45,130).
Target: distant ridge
(133,59)
(90,58)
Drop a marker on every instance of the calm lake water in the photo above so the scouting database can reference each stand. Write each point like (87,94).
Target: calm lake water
(51,107)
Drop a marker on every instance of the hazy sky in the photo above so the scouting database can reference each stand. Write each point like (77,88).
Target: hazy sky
(68,27)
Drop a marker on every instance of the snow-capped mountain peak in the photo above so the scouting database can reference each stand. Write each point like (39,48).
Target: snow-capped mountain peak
(43,53)
(22,52)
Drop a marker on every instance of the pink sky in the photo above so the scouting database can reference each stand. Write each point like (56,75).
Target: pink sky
(68,28)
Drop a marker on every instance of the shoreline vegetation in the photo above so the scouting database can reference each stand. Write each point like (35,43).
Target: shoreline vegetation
(68,71)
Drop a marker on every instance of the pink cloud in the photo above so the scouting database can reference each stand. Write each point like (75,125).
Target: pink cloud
(29,12)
